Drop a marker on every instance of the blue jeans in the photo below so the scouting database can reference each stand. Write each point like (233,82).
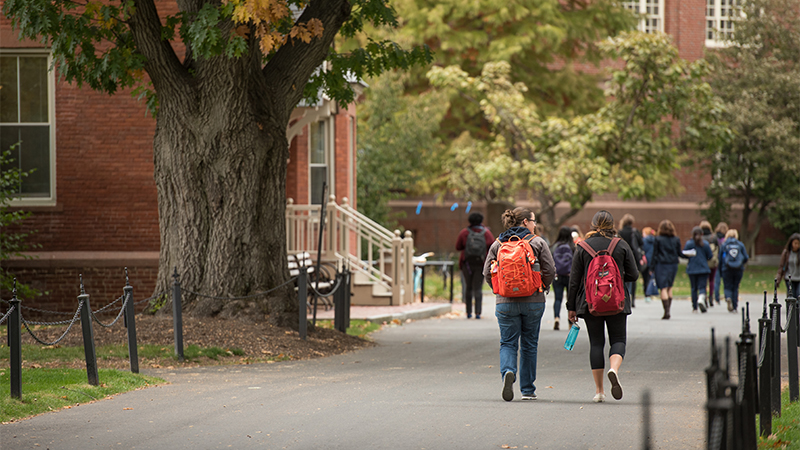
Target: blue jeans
(698,283)
(732,278)
(793,288)
(519,322)
(560,286)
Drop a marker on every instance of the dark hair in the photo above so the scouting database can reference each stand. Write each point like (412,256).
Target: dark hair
(602,224)
(475,218)
(697,236)
(793,237)
(514,218)
(565,235)
(666,228)
(627,220)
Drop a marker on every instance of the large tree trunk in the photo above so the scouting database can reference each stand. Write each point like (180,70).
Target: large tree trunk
(220,165)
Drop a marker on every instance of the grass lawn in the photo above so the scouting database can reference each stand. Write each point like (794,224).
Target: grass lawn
(52,389)
(786,428)
(359,328)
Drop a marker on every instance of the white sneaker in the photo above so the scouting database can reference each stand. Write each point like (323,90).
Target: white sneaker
(616,388)
(599,398)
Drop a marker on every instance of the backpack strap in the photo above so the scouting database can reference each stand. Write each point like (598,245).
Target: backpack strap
(588,248)
(612,246)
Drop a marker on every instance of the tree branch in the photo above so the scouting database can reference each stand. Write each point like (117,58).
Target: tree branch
(162,64)
(292,65)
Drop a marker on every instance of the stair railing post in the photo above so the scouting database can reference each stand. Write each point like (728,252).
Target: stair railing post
(88,337)
(396,269)
(130,324)
(14,331)
(765,372)
(177,314)
(775,314)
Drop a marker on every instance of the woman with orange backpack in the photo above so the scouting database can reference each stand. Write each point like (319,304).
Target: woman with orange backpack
(586,280)
(519,267)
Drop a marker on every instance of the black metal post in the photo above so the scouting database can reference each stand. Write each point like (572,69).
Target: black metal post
(775,314)
(88,338)
(765,372)
(177,314)
(338,305)
(347,298)
(747,384)
(422,284)
(452,271)
(791,347)
(15,344)
(322,218)
(302,298)
(130,324)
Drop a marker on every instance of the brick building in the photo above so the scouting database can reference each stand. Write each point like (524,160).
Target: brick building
(695,26)
(93,195)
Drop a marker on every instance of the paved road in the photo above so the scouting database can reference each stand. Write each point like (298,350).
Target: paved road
(430,384)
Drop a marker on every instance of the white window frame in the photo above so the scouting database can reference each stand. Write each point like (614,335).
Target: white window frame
(51,85)
(645,10)
(720,20)
(329,139)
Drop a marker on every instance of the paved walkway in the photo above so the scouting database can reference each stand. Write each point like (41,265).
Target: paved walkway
(428,384)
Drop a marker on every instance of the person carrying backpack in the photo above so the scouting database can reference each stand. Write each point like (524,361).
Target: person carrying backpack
(602,263)
(697,267)
(733,257)
(634,240)
(473,242)
(520,268)
(713,243)
(562,252)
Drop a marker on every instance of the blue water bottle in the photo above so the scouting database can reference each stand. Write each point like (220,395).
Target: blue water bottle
(572,336)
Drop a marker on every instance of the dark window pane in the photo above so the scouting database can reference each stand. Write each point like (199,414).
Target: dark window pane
(8,89)
(32,155)
(318,176)
(317,150)
(33,89)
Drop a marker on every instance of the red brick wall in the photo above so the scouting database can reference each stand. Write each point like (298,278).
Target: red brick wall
(103,284)
(685,20)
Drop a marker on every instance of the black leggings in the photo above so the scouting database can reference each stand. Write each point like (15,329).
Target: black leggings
(617,337)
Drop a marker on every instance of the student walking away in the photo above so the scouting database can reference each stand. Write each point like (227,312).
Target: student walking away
(789,268)
(720,231)
(473,242)
(666,251)
(733,257)
(520,268)
(634,240)
(562,251)
(602,263)
(713,243)
(649,240)
(700,254)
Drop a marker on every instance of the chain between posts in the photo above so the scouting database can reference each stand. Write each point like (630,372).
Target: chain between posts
(72,322)
(8,314)
(121,312)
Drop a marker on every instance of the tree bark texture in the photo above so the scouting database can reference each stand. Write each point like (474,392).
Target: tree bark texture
(220,154)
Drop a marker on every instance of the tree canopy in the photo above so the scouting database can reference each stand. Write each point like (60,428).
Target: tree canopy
(758,78)
(224,78)
(629,146)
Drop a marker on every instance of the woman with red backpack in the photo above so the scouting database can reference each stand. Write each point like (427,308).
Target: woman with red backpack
(519,267)
(585,282)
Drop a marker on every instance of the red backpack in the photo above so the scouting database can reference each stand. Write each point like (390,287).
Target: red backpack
(515,276)
(605,292)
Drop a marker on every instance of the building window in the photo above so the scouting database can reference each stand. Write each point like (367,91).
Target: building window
(27,118)
(651,13)
(317,160)
(720,16)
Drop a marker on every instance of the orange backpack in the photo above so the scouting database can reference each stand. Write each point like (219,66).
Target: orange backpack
(515,275)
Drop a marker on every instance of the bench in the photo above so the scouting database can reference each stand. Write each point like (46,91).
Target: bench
(323,283)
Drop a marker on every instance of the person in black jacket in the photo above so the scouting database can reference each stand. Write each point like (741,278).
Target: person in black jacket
(599,238)
(634,240)
(666,251)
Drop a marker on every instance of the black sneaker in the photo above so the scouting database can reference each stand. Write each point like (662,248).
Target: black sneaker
(702,307)
(508,386)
